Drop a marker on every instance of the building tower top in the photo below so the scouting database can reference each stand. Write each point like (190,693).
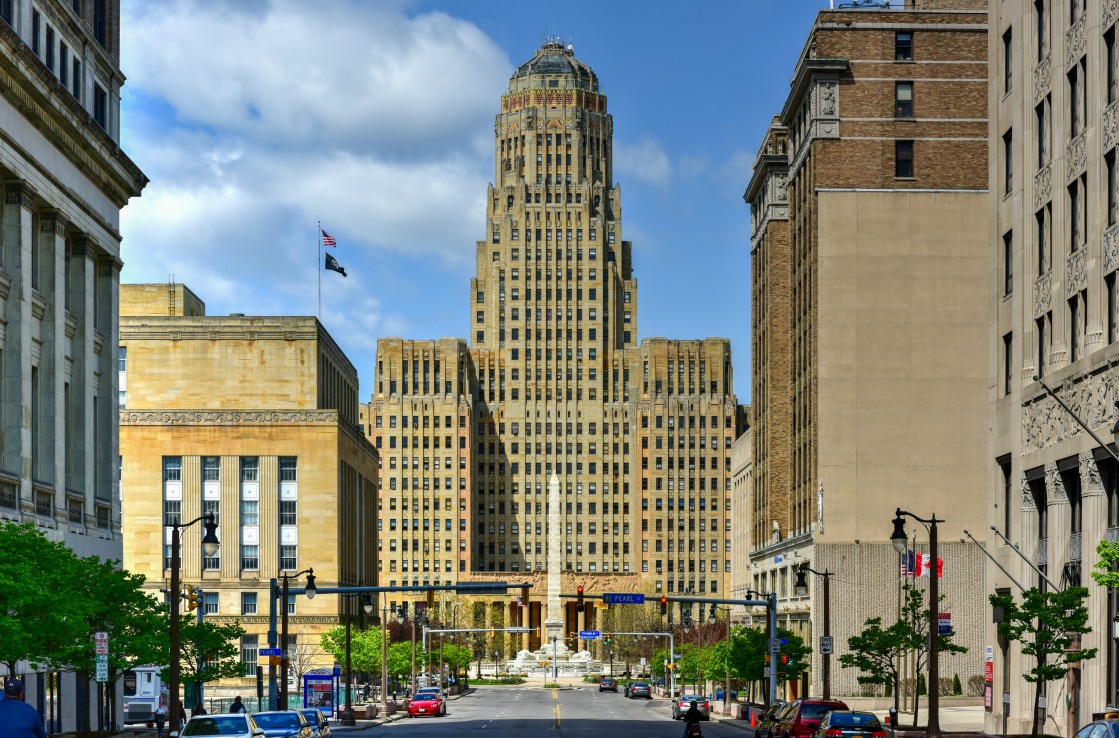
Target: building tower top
(555,60)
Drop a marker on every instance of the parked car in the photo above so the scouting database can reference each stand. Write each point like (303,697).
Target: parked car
(427,702)
(849,724)
(284,724)
(1099,729)
(769,718)
(237,725)
(682,705)
(802,717)
(319,724)
(608,683)
(640,689)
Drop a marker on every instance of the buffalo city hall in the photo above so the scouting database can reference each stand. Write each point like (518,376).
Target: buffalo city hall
(551,380)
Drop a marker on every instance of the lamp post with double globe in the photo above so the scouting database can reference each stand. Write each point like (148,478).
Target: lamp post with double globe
(210,545)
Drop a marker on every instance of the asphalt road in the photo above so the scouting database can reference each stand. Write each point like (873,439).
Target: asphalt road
(518,712)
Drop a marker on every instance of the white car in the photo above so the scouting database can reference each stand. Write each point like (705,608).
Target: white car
(237,725)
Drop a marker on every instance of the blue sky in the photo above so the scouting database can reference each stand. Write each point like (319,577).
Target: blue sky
(254,120)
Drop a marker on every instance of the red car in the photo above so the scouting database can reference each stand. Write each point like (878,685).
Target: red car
(427,703)
(801,718)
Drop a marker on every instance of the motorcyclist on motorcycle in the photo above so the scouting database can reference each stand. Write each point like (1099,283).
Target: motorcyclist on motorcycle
(692,717)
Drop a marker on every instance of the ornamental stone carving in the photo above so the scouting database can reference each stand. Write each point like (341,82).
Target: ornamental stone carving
(226,417)
(1027,496)
(1075,156)
(19,193)
(828,92)
(1110,134)
(1090,481)
(782,183)
(1054,483)
(1041,77)
(1043,186)
(1090,396)
(1110,12)
(1111,249)
(1076,271)
(1043,293)
(1074,41)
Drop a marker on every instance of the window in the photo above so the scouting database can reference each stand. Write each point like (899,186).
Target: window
(250,468)
(249,557)
(288,469)
(1006,60)
(1041,346)
(1109,166)
(1041,29)
(903,46)
(1008,263)
(903,100)
(1041,130)
(99,22)
(63,63)
(1077,77)
(76,80)
(50,48)
(1042,218)
(172,468)
(1008,161)
(1076,9)
(122,358)
(6,11)
(36,24)
(211,469)
(1007,494)
(288,558)
(250,512)
(210,603)
(1109,61)
(1112,304)
(249,650)
(100,106)
(1077,313)
(903,159)
(1007,363)
(248,603)
(1078,206)
(288,509)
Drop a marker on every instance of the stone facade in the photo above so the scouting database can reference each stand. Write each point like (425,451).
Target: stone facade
(253,419)
(65,179)
(741,497)
(869,329)
(1053,490)
(552,379)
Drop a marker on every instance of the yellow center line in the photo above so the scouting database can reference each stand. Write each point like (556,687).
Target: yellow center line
(557,716)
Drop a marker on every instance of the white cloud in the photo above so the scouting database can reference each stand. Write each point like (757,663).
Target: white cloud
(643,160)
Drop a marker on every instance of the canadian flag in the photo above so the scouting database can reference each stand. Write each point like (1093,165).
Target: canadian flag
(924,565)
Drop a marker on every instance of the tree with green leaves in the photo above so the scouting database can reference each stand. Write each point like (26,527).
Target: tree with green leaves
(365,647)
(916,616)
(876,653)
(1106,572)
(1045,623)
(210,651)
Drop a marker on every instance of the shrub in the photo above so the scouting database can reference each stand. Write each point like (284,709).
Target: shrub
(957,688)
(945,687)
(922,686)
(889,689)
(975,684)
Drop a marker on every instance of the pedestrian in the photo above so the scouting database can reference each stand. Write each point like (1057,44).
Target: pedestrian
(17,718)
(237,705)
(160,719)
(198,709)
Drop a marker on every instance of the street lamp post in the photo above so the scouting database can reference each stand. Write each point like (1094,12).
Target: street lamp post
(801,588)
(347,717)
(210,546)
(310,590)
(900,542)
(401,615)
(384,654)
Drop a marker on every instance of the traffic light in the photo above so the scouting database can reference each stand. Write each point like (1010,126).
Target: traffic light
(431,598)
(579,599)
(524,597)
(664,605)
(193,598)
(784,659)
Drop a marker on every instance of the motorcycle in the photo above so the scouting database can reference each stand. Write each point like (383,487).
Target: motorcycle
(694,731)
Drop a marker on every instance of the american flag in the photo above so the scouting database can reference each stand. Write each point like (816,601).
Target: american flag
(327,239)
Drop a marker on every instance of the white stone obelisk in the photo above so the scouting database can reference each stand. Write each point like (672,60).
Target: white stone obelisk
(553,625)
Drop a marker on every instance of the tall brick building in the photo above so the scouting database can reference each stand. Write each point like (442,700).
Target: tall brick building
(1054,313)
(551,379)
(869,213)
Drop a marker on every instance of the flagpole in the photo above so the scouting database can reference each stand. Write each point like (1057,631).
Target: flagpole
(318,270)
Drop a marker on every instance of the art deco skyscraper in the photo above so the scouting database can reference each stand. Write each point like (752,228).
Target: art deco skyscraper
(552,379)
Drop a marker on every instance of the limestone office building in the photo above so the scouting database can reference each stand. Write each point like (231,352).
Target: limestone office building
(552,379)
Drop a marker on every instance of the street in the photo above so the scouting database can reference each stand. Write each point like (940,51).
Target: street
(521,711)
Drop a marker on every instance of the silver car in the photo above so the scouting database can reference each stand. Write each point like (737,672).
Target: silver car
(284,724)
(238,725)
(682,705)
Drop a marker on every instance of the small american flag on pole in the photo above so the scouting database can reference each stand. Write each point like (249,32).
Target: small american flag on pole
(327,239)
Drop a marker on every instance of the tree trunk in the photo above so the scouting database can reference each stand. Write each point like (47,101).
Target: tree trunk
(896,680)
(916,694)
(1037,704)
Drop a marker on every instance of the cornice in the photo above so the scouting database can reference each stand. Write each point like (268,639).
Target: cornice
(31,88)
(228,417)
